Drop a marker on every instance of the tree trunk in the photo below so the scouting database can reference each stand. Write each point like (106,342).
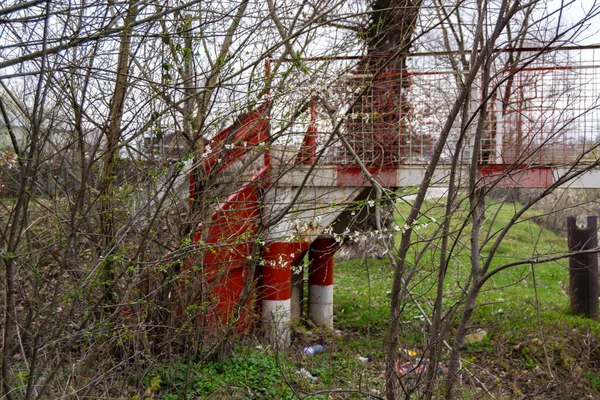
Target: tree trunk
(109,169)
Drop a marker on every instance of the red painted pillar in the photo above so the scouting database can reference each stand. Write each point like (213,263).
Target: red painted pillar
(308,150)
(276,291)
(320,281)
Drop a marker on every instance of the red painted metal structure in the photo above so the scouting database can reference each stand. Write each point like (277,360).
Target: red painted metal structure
(531,126)
(228,241)
(230,244)
(308,149)
(540,115)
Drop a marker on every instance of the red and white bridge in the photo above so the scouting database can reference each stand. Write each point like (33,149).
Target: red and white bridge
(541,124)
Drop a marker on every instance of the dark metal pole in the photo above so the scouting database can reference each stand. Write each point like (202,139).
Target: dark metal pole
(583,268)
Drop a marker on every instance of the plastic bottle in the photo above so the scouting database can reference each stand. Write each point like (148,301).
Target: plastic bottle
(314,349)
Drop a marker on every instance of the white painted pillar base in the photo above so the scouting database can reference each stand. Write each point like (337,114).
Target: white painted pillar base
(276,322)
(320,305)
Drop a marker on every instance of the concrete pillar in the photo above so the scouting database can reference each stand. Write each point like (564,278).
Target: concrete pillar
(320,281)
(276,292)
(297,293)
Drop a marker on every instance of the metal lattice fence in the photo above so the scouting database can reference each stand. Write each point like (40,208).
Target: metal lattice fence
(541,108)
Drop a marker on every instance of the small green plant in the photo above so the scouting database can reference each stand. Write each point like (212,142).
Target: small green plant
(594,379)
(250,373)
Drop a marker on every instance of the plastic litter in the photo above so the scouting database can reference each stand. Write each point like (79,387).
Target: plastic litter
(475,337)
(417,367)
(307,375)
(409,352)
(314,349)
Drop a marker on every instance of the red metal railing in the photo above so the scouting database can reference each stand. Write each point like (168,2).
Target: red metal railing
(541,109)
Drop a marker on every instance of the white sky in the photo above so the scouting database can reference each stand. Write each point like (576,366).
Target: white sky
(574,12)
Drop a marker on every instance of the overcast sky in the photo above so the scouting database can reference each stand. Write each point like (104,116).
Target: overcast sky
(575,11)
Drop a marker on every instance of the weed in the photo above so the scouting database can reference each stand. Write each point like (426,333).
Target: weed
(594,379)
(249,374)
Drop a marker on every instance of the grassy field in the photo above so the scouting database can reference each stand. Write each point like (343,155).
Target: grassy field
(534,347)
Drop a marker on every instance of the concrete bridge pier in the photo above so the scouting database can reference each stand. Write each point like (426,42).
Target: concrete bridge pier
(320,281)
(276,292)
(297,294)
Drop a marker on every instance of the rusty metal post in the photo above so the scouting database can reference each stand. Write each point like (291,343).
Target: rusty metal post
(583,268)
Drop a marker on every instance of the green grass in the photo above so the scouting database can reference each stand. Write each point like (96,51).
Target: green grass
(361,295)
(511,288)
(248,374)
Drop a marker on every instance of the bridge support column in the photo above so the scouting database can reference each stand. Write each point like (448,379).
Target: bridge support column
(276,292)
(320,281)
(297,294)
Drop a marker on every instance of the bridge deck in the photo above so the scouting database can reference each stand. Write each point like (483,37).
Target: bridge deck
(412,175)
